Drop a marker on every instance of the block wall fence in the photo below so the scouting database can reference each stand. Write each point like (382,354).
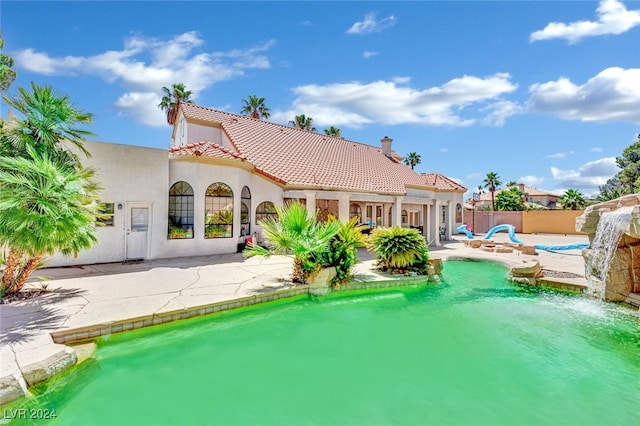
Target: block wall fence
(526,222)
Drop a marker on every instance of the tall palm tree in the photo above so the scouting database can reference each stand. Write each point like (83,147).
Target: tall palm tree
(49,125)
(172,99)
(303,122)
(573,199)
(255,107)
(491,182)
(412,159)
(45,207)
(332,131)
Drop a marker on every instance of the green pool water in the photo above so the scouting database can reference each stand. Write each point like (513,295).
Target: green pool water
(474,350)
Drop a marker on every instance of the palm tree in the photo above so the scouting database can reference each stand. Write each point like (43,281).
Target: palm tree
(491,182)
(412,159)
(332,131)
(511,183)
(45,206)
(296,232)
(342,251)
(172,99)
(303,122)
(255,107)
(48,126)
(573,199)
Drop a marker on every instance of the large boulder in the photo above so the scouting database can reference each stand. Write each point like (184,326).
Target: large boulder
(623,276)
(588,221)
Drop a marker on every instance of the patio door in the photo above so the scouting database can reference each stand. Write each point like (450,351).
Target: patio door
(137,231)
(379,215)
(374,215)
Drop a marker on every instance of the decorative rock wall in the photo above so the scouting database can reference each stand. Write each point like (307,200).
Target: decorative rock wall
(623,277)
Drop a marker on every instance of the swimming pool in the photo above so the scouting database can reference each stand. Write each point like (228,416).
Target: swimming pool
(472,350)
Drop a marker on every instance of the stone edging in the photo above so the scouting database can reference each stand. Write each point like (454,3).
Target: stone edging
(82,334)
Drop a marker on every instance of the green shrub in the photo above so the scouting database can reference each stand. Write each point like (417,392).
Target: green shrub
(399,250)
(296,232)
(342,251)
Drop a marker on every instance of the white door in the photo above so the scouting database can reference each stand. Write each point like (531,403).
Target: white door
(137,232)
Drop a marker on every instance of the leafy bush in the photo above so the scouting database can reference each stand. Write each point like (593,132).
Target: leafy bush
(399,250)
(342,251)
(296,232)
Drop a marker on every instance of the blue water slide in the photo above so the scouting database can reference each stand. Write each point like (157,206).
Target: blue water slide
(506,227)
(512,235)
(553,247)
(463,229)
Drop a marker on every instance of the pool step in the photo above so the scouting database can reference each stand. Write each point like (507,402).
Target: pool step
(633,299)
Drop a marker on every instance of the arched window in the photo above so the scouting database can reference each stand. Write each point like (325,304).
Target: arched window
(405,217)
(355,211)
(265,210)
(218,211)
(180,211)
(458,213)
(245,211)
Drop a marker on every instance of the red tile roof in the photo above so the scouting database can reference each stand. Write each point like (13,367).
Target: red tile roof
(528,191)
(302,159)
(441,182)
(208,149)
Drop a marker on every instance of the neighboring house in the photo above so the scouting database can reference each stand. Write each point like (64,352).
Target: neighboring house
(224,173)
(533,198)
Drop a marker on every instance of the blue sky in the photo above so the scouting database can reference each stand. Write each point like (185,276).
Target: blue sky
(546,93)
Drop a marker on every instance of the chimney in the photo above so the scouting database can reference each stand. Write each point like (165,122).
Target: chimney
(521,187)
(386,146)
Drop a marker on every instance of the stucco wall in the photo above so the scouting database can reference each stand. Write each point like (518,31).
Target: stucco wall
(191,133)
(128,174)
(200,173)
(550,222)
(527,222)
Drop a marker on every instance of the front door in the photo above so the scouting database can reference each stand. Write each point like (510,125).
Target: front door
(137,232)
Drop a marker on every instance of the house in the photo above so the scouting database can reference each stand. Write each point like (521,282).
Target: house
(224,173)
(533,198)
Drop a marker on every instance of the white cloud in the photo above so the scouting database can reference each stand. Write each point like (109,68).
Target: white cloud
(136,105)
(531,181)
(499,112)
(588,176)
(557,155)
(401,80)
(474,176)
(355,103)
(368,54)
(370,25)
(443,150)
(560,154)
(612,95)
(596,149)
(613,18)
(171,61)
